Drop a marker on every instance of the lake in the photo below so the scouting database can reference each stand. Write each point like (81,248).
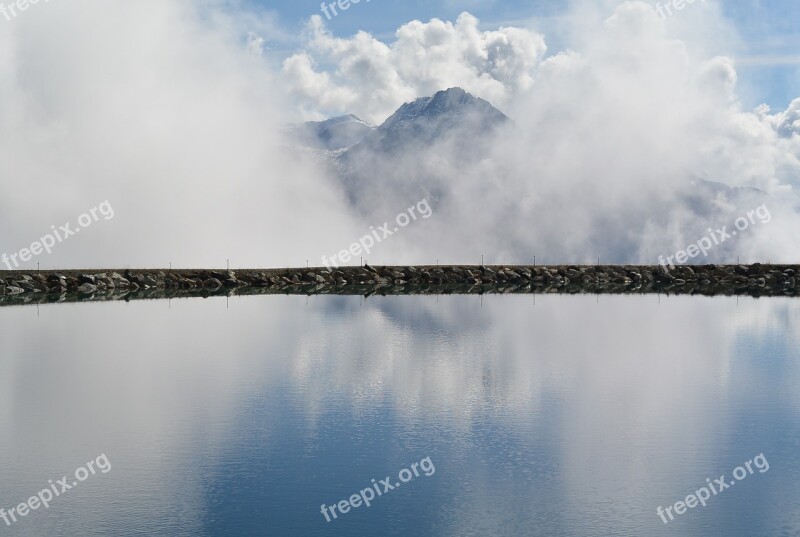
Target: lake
(497,415)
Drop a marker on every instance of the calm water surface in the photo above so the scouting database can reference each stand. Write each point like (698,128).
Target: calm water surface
(570,416)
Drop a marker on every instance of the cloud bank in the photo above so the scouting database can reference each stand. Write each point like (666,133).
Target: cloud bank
(373,78)
(607,136)
(172,115)
(167,112)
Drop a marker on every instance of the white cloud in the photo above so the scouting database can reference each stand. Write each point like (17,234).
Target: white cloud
(365,76)
(255,44)
(165,112)
(606,136)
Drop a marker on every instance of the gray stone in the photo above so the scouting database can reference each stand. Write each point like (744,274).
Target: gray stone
(87,288)
(212,283)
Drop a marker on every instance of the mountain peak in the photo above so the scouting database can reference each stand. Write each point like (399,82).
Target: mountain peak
(451,115)
(398,157)
(447,110)
(451,97)
(454,102)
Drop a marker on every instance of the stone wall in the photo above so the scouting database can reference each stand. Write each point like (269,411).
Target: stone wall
(19,287)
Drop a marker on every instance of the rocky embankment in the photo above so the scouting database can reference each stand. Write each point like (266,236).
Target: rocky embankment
(23,287)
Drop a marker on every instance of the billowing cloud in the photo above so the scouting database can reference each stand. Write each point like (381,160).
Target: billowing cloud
(606,137)
(365,76)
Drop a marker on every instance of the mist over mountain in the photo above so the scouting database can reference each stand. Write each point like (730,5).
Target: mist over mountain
(463,155)
(416,151)
(451,123)
(615,139)
(452,115)
(332,134)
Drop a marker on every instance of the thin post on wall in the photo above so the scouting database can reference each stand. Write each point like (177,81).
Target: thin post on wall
(228,264)
(481,259)
(534,261)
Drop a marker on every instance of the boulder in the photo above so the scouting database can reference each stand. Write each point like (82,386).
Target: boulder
(212,283)
(87,288)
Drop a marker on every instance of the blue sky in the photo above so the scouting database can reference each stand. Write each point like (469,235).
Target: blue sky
(382,17)
(768,65)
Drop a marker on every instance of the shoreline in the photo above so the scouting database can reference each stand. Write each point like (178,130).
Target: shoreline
(55,286)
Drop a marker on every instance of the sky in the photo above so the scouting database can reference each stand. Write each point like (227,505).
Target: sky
(767,48)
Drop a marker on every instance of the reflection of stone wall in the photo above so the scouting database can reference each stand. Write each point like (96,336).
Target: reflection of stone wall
(19,287)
